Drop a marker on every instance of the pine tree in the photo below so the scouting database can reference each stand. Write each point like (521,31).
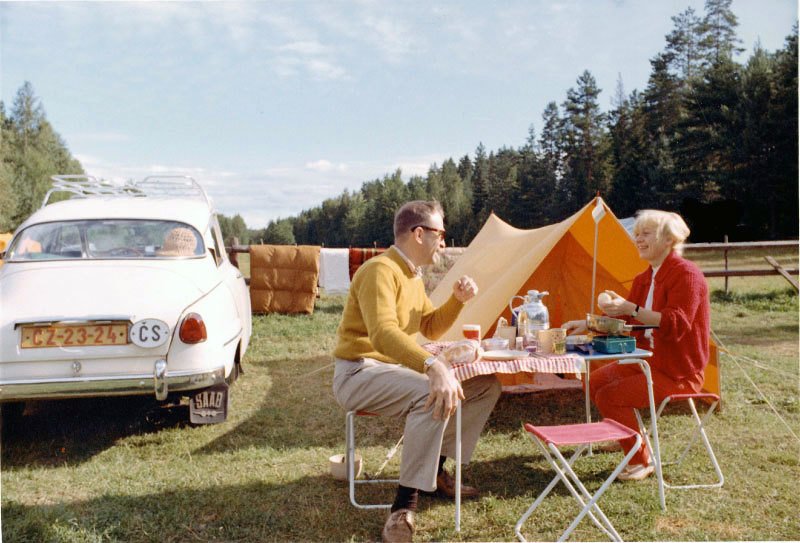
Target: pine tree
(719,40)
(584,134)
(480,180)
(782,193)
(684,51)
(35,153)
(702,148)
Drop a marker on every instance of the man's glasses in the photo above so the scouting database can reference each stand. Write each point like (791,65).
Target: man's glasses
(440,233)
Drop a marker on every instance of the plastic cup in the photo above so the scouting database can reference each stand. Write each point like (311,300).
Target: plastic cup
(471,331)
(559,336)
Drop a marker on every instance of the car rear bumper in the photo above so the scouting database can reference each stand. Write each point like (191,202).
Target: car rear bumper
(159,383)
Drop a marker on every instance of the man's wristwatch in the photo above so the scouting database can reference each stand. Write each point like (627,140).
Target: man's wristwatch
(428,363)
(635,311)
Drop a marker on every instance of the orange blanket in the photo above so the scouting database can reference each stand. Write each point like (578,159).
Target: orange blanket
(283,278)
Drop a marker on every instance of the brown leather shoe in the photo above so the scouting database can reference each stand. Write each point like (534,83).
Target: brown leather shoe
(446,487)
(399,527)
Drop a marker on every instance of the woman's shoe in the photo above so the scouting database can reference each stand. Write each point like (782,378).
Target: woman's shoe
(636,472)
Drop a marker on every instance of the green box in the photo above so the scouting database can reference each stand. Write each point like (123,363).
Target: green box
(613,344)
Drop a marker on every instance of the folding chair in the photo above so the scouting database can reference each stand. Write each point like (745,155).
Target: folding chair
(350,441)
(549,439)
(699,431)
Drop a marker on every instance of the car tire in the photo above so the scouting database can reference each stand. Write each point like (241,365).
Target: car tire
(234,375)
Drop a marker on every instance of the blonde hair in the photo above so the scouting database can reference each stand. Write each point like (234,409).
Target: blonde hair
(667,225)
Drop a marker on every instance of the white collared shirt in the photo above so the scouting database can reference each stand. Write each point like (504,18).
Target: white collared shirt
(417,270)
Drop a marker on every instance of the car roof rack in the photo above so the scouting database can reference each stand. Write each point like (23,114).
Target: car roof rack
(153,186)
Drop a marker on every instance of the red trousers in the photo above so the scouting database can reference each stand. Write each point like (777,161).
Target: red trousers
(617,390)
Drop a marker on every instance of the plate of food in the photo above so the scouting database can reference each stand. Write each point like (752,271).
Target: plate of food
(504,354)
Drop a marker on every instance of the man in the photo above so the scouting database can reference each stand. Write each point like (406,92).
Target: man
(381,368)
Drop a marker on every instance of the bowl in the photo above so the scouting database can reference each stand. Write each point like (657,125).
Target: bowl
(338,466)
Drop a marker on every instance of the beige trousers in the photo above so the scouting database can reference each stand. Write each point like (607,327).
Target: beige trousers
(396,391)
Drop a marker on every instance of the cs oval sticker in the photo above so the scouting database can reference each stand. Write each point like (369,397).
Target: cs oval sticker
(149,333)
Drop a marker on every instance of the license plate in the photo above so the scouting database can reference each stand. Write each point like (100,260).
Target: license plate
(210,405)
(74,335)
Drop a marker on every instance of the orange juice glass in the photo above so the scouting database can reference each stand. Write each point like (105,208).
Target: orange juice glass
(471,331)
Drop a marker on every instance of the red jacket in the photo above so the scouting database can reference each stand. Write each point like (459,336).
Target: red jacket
(680,344)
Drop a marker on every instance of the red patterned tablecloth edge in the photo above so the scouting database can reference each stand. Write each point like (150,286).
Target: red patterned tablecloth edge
(546,363)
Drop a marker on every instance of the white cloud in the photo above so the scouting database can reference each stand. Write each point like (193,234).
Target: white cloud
(326,166)
(390,35)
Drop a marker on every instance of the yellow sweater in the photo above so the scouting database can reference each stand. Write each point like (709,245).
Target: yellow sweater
(385,309)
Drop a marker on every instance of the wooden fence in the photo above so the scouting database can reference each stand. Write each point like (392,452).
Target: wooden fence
(726,247)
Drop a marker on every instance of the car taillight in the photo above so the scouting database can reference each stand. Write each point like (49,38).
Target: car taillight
(193,329)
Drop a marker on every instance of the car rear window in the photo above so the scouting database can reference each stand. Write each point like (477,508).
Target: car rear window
(106,239)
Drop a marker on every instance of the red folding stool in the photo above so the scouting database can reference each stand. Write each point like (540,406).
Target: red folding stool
(549,439)
(350,443)
(699,431)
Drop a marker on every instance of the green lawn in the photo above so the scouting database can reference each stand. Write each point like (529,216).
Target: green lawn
(132,470)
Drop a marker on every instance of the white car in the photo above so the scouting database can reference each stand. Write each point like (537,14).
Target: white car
(122,290)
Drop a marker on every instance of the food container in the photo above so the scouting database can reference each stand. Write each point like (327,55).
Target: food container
(507,332)
(495,344)
(338,466)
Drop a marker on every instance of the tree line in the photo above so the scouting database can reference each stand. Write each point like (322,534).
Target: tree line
(708,137)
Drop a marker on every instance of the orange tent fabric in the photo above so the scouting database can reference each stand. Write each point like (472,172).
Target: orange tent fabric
(506,261)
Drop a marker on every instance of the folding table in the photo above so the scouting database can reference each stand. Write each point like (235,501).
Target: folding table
(571,362)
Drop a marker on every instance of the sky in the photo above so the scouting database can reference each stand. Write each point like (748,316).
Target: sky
(274,106)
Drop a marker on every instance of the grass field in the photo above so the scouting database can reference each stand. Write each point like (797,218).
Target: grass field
(132,470)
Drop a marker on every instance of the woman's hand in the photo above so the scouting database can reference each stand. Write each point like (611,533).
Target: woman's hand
(615,305)
(575,327)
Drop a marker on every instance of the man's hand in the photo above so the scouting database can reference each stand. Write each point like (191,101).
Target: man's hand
(465,289)
(445,391)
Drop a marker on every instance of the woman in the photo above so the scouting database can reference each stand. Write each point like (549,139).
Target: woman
(673,295)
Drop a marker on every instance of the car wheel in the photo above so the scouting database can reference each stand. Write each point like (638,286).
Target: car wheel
(234,375)
(236,370)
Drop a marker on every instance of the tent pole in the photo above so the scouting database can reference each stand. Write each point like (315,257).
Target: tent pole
(594,267)
(597,213)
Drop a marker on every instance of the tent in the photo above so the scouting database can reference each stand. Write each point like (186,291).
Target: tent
(506,261)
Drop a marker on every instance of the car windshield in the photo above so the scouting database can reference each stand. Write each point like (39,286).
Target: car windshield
(106,239)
